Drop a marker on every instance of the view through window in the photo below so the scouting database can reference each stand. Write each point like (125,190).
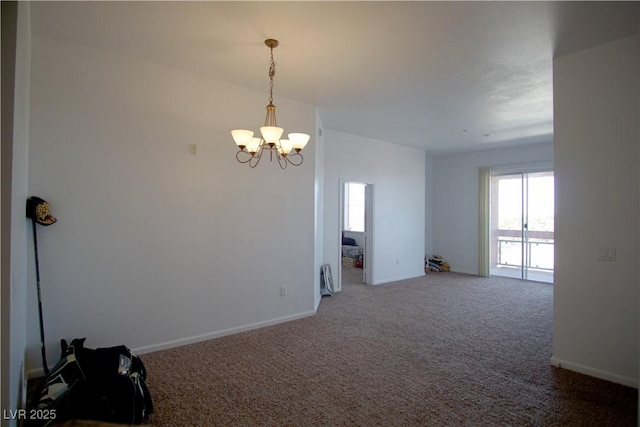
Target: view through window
(354,206)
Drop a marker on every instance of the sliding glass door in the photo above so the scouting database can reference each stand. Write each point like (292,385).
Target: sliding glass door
(521,225)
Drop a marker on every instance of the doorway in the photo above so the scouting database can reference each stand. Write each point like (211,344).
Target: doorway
(521,225)
(356,233)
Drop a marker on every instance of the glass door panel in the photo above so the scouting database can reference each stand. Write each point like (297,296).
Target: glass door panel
(522,225)
(540,225)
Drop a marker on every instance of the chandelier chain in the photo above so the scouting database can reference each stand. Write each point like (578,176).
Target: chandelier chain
(272,73)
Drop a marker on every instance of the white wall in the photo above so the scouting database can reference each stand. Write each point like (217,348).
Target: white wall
(429,202)
(319,200)
(455,199)
(155,247)
(15,137)
(596,97)
(10,369)
(19,227)
(398,176)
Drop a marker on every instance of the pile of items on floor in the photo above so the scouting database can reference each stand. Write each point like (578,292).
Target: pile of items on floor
(104,384)
(436,263)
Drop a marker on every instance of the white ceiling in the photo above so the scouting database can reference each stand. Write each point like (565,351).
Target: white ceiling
(440,76)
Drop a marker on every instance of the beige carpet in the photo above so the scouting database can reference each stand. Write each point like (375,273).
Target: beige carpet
(443,350)
(352,275)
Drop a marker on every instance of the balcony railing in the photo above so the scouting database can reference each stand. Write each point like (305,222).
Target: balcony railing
(538,249)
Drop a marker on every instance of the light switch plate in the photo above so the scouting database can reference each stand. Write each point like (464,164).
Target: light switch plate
(607,254)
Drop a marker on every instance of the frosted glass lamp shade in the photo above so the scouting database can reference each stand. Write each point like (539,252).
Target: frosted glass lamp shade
(242,137)
(285,146)
(271,134)
(299,140)
(253,145)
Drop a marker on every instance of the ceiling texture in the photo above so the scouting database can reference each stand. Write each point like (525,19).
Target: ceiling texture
(438,76)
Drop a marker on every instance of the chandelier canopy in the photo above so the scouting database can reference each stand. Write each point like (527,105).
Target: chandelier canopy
(286,151)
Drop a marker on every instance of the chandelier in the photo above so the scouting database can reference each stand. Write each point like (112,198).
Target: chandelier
(286,151)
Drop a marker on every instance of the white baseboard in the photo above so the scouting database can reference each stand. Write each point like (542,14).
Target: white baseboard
(218,334)
(39,372)
(470,273)
(396,279)
(592,372)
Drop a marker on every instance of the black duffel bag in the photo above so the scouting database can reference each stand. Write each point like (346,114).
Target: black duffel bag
(104,384)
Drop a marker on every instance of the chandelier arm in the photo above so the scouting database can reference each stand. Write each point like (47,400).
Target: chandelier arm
(295,158)
(238,154)
(282,162)
(255,159)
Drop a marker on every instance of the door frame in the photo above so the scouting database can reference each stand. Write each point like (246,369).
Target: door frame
(522,170)
(369,230)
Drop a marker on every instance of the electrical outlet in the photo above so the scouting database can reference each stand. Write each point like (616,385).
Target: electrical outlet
(193,149)
(283,291)
(607,254)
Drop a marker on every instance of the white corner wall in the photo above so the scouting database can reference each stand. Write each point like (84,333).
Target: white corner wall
(319,209)
(155,247)
(14,195)
(429,202)
(596,102)
(455,195)
(398,176)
